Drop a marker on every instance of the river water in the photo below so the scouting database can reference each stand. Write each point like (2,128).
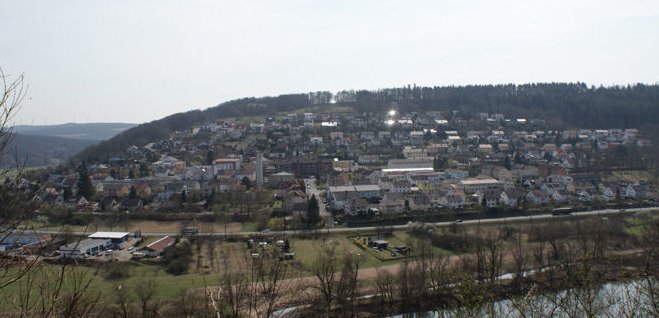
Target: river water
(614,300)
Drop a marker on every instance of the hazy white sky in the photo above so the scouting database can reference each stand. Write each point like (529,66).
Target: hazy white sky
(136,61)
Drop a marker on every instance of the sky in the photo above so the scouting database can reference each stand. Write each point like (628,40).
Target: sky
(136,61)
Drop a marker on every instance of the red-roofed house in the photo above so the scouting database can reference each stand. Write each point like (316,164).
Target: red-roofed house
(158,246)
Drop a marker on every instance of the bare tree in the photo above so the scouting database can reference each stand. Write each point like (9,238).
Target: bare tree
(270,281)
(650,287)
(346,291)
(43,293)
(519,259)
(325,269)
(233,292)
(493,256)
(188,304)
(16,197)
(145,291)
(122,295)
(386,290)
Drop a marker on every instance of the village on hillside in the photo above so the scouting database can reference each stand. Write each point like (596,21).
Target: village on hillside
(360,167)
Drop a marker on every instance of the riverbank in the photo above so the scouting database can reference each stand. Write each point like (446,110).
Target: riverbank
(468,293)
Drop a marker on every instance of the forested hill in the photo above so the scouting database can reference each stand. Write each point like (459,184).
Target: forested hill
(575,105)
(162,128)
(86,131)
(564,104)
(40,151)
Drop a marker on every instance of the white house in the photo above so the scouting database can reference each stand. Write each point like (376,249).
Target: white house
(537,197)
(512,197)
(454,199)
(224,164)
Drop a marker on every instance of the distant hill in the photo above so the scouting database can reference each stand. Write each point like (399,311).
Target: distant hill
(90,131)
(561,104)
(37,151)
(47,145)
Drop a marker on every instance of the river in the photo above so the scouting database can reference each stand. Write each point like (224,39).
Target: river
(619,300)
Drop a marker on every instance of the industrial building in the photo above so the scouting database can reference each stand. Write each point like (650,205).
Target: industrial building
(86,247)
(116,238)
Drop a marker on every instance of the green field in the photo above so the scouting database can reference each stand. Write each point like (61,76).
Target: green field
(205,269)
(167,286)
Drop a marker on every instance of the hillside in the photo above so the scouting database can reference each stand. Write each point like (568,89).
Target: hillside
(36,151)
(160,129)
(87,131)
(561,104)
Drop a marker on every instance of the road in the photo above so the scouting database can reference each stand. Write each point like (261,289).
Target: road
(311,190)
(398,227)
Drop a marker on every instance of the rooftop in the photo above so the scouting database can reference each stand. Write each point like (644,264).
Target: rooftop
(160,244)
(358,188)
(108,235)
(283,173)
(479,181)
(407,169)
(225,160)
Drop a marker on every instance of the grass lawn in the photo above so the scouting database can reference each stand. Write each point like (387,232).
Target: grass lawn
(636,225)
(630,176)
(167,286)
(249,226)
(306,250)
(146,240)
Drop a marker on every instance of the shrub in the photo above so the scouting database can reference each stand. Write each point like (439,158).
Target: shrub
(113,271)
(177,257)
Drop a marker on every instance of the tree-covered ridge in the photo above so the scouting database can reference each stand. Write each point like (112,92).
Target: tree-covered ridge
(574,104)
(562,104)
(161,128)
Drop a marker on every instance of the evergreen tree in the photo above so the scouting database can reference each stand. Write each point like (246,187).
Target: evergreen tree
(144,170)
(246,182)
(439,163)
(210,156)
(85,186)
(313,212)
(67,194)
(132,194)
(211,197)
(287,246)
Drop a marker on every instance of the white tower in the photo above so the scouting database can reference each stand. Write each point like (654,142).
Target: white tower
(259,169)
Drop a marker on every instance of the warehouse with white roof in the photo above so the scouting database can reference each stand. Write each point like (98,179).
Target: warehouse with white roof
(115,237)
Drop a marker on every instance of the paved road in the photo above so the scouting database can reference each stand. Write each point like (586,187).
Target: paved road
(312,189)
(398,227)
